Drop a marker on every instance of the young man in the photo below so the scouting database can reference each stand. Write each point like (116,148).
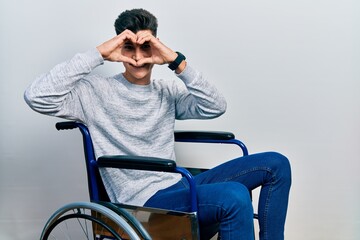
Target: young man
(133,114)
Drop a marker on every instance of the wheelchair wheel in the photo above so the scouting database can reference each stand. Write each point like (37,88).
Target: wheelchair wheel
(85,220)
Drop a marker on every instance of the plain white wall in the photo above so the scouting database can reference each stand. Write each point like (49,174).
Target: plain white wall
(289,70)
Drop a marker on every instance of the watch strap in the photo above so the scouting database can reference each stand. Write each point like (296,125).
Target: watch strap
(175,64)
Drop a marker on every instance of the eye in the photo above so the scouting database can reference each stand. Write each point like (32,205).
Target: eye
(145,46)
(128,46)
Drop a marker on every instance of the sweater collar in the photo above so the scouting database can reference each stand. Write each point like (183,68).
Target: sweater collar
(135,87)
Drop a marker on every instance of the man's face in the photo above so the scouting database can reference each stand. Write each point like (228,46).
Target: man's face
(137,74)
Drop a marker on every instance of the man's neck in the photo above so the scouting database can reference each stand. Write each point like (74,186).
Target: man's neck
(138,81)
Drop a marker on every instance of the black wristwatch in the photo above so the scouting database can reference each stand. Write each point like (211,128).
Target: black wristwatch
(174,65)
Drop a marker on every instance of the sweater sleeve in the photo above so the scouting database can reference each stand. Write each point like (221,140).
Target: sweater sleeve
(199,99)
(51,93)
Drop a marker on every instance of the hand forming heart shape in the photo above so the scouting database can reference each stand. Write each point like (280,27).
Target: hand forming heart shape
(148,48)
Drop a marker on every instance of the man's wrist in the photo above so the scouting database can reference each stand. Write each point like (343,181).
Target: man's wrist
(172,58)
(181,67)
(177,62)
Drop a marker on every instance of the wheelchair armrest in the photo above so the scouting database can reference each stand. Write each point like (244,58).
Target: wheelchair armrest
(202,135)
(66,125)
(137,163)
(150,164)
(209,137)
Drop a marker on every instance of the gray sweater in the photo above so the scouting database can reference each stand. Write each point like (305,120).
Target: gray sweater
(124,118)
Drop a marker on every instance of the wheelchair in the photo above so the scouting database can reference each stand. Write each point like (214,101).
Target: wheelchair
(101,219)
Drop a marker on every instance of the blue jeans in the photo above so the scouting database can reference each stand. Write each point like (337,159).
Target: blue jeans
(224,203)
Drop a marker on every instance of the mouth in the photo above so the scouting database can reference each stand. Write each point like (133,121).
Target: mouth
(142,66)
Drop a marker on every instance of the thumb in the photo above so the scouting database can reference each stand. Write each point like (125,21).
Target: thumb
(128,60)
(144,61)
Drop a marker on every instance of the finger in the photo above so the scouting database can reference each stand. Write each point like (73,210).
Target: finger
(127,35)
(128,60)
(145,37)
(128,32)
(145,61)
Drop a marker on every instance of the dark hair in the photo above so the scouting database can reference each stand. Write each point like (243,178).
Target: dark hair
(136,20)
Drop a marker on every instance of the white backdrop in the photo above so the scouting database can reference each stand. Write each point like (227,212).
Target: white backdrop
(289,70)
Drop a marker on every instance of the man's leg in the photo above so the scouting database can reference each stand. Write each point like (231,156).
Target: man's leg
(223,205)
(269,170)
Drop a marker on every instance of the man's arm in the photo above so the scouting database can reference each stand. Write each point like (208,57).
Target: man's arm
(199,99)
(50,93)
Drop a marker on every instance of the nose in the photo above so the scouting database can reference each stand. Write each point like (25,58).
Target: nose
(137,54)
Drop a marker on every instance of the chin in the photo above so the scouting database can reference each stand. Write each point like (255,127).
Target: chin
(143,70)
(140,76)
(141,73)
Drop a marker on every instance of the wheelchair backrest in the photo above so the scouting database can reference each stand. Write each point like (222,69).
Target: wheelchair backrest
(96,187)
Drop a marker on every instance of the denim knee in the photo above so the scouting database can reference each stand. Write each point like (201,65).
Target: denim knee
(237,220)
(236,197)
(280,166)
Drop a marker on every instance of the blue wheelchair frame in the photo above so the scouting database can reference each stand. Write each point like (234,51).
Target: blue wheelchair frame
(96,188)
(145,163)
